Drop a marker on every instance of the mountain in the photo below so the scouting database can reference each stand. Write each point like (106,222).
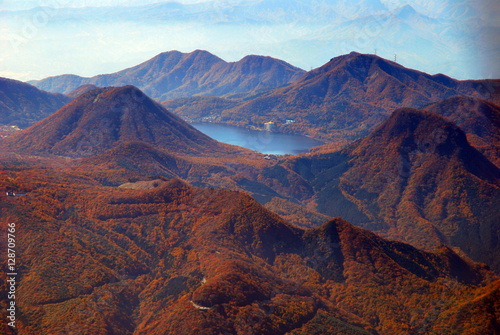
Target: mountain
(80,90)
(23,104)
(349,96)
(414,179)
(174,259)
(200,108)
(175,75)
(479,119)
(103,118)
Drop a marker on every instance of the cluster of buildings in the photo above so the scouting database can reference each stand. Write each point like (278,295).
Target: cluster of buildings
(270,126)
(15,194)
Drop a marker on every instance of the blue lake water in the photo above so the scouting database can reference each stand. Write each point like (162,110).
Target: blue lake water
(261,141)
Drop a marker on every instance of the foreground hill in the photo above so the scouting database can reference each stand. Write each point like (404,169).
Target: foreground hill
(349,96)
(175,75)
(101,119)
(180,260)
(415,178)
(23,105)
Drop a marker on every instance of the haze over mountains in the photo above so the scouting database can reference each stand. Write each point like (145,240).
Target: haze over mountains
(458,38)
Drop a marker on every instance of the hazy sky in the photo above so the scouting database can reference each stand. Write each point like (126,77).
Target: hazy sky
(89,37)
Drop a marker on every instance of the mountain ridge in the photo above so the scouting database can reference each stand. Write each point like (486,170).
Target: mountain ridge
(341,101)
(181,259)
(174,74)
(22,104)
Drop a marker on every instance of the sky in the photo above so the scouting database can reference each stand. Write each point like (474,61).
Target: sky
(41,38)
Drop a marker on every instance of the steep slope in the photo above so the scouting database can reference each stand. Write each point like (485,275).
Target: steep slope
(349,96)
(103,118)
(181,260)
(23,105)
(175,75)
(416,179)
(479,119)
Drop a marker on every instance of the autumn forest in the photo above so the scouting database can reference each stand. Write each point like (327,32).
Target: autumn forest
(117,216)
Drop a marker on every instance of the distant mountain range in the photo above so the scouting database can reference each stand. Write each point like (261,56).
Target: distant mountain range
(351,95)
(458,38)
(23,105)
(175,75)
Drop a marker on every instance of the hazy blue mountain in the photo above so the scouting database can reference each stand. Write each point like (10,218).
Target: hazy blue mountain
(22,104)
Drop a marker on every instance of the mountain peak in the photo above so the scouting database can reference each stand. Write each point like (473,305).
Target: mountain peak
(174,74)
(406,11)
(102,118)
(415,129)
(412,135)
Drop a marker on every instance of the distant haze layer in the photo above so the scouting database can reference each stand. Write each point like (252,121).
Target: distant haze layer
(46,38)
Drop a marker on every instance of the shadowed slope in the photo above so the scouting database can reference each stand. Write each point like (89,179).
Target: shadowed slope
(415,178)
(23,105)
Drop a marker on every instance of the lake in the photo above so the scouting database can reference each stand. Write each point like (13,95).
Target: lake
(262,141)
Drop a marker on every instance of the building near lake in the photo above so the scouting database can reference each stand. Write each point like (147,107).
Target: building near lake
(269,126)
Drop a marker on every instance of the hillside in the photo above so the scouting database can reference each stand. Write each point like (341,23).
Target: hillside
(23,105)
(479,119)
(180,260)
(415,179)
(80,90)
(103,118)
(176,75)
(349,96)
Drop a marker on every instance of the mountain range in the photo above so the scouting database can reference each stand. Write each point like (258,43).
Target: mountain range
(133,222)
(415,178)
(375,183)
(174,259)
(176,75)
(350,95)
